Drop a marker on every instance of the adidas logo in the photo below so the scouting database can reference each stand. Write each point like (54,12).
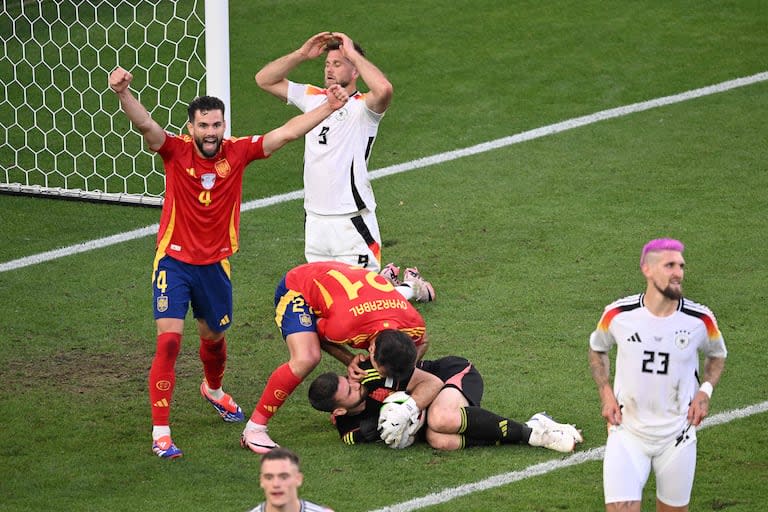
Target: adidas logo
(635,338)
(161,403)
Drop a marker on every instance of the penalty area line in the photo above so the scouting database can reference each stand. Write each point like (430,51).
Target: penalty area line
(529,135)
(542,468)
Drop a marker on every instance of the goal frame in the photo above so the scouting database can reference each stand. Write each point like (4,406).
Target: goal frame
(215,75)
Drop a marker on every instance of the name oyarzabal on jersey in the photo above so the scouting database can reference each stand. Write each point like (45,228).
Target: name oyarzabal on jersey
(206,193)
(352,304)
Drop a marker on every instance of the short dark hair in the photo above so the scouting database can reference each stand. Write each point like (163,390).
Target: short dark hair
(322,390)
(280,453)
(395,353)
(204,104)
(335,44)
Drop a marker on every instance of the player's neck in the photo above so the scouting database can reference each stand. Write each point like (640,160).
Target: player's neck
(291,506)
(659,304)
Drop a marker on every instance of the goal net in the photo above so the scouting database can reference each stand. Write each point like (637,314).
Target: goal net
(62,132)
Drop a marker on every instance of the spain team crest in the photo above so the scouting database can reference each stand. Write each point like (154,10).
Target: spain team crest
(162,303)
(222,168)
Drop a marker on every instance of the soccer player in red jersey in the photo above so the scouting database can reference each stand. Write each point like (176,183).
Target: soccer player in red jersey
(199,227)
(330,306)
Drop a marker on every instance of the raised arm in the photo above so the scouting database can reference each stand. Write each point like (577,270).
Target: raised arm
(273,77)
(600,366)
(380,89)
(119,82)
(298,126)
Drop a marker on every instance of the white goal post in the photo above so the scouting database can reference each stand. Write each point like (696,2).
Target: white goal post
(62,132)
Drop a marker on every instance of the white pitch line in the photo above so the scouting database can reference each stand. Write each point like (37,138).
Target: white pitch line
(547,467)
(416,164)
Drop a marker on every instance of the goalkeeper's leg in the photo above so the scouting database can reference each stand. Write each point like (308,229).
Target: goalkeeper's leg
(454,424)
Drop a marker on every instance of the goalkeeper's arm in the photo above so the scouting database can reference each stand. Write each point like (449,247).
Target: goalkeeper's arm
(423,388)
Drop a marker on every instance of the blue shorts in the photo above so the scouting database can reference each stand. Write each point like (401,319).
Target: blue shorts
(176,285)
(292,313)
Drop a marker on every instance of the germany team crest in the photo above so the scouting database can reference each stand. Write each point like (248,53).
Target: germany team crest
(682,339)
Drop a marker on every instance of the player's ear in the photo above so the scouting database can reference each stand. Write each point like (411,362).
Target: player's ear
(339,411)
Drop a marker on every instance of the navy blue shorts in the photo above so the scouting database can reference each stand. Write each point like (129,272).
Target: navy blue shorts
(292,313)
(208,288)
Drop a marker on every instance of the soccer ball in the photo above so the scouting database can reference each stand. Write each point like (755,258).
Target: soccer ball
(394,400)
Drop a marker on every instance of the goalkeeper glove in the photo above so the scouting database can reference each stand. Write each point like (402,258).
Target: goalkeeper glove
(394,421)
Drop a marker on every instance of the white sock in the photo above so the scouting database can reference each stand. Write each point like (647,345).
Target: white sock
(254,426)
(159,431)
(405,290)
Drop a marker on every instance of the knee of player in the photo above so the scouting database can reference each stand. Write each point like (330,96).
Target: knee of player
(303,365)
(304,357)
(444,420)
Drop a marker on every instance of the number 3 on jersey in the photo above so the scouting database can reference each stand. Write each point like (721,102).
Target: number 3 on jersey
(323,137)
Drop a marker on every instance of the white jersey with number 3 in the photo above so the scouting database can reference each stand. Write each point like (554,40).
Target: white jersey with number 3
(657,362)
(336,153)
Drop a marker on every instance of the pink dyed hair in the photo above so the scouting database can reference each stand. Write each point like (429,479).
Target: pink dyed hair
(661,244)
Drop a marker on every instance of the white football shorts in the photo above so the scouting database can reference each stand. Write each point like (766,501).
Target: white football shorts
(628,461)
(353,239)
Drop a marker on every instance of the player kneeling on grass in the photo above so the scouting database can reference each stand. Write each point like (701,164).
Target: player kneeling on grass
(454,419)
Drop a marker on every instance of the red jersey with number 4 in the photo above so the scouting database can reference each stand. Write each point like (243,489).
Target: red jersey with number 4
(353,304)
(200,221)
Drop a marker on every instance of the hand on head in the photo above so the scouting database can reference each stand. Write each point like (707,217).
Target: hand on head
(347,45)
(315,45)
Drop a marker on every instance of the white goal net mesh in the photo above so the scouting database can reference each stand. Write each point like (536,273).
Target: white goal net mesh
(62,131)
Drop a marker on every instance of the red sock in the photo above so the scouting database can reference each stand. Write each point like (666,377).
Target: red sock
(213,354)
(279,387)
(162,376)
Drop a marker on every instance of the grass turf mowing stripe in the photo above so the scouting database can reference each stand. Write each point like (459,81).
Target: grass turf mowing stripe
(419,163)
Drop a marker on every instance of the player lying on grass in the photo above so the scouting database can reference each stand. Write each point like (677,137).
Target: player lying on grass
(454,419)
(328,306)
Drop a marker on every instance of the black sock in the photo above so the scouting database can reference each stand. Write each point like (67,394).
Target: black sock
(480,425)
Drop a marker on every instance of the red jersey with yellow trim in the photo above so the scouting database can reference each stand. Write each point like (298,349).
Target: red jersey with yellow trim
(200,221)
(353,304)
